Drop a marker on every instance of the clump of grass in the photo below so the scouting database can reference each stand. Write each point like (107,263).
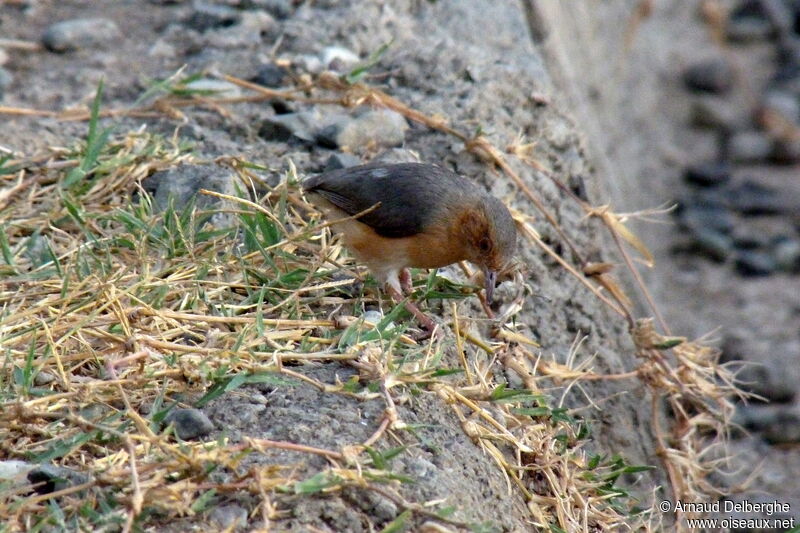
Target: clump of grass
(110,306)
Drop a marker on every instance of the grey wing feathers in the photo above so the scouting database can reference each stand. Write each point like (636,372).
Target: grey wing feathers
(410,194)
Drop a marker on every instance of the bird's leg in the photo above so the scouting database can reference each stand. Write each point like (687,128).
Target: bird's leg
(405,281)
(425,321)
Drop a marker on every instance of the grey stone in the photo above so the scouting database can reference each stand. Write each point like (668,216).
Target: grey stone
(338,58)
(717,218)
(767,379)
(258,398)
(785,429)
(751,198)
(6,79)
(713,112)
(709,173)
(750,237)
(206,16)
(309,63)
(43,378)
(748,29)
(281,128)
(787,77)
(280,9)
(341,160)
(189,423)
(712,76)
(421,468)
(181,185)
(372,316)
(379,127)
(778,13)
(786,151)
(751,263)
(789,53)
(51,478)
(749,146)
(229,517)
(270,75)
(755,417)
(76,34)
(782,103)
(94,412)
(786,251)
(712,243)
(13,470)
(397,155)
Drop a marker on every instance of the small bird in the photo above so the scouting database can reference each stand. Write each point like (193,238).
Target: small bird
(415,215)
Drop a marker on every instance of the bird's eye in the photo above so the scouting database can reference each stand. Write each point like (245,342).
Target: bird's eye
(485,245)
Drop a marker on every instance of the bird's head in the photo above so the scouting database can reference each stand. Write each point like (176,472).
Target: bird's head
(491,238)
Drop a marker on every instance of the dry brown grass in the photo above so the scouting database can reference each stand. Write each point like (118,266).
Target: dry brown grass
(109,309)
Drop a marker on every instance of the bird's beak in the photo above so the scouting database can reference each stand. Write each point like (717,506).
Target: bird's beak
(490,277)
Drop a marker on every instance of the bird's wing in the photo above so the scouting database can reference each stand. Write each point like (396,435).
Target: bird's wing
(410,195)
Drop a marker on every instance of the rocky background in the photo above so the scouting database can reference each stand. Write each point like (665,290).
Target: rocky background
(675,105)
(711,91)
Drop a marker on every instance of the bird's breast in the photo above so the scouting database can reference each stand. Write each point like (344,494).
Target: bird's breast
(424,250)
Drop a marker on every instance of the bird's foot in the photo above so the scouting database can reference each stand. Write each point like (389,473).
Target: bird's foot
(405,281)
(427,323)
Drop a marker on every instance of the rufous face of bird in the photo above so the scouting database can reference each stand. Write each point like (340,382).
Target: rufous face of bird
(490,238)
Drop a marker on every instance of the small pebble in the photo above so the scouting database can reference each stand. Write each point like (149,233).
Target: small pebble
(309,63)
(421,469)
(338,59)
(77,34)
(397,155)
(785,429)
(270,75)
(379,127)
(711,76)
(787,77)
(767,379)
(714,113)
(751,198)
(6,79)
(280,9)
(708,174)
(783,104)
(749,146)
(51,478)
(229,517)
(786,151)
(748,29)
(786,251)
(747,237)
(372,316)
(181,185)
(281,128)
(43,378)
(206,16)
(13,470)
(339,160)
(751,263)
(258,398)
(189,423)
(712,243)
(755,417)
(717,218)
